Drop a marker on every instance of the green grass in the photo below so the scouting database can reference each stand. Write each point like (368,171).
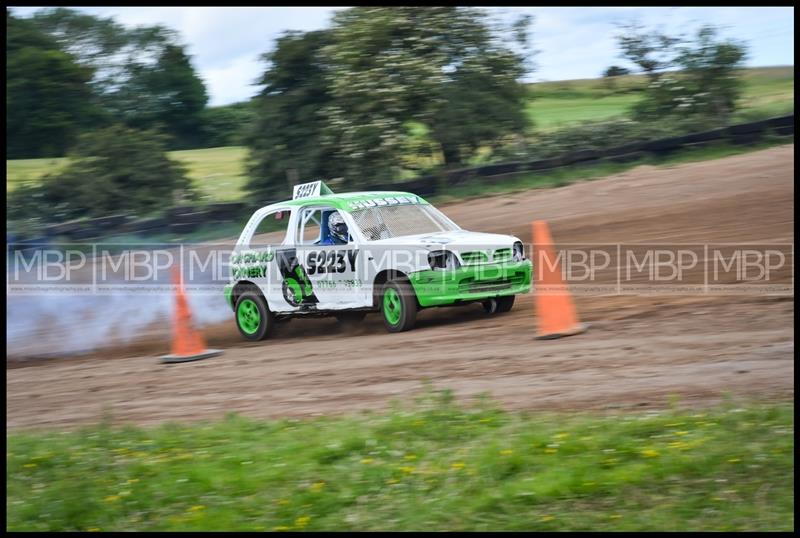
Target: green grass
(768,91)
(431,467)
(563,176)
(552,113)
(218,173)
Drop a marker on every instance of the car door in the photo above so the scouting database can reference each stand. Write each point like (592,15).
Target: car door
(258,257)
(331,267)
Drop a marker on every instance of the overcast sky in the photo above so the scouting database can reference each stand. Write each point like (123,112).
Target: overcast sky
(225,43)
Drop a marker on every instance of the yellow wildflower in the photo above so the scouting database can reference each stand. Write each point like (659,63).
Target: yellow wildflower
(112,498)
(548,518)
(367,461)
(506,452)
(301,521)
(317,486)
(458,465)
(650,453)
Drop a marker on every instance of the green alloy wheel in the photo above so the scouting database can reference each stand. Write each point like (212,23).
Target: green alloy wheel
(253,318)
(398,305)
(392,309)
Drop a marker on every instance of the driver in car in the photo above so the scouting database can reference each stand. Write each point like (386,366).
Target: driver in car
(337,231)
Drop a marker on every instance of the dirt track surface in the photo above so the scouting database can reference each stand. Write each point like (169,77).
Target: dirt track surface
(639,351)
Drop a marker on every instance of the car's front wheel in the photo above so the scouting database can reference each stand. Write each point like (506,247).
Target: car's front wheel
(499,305)
(253,317)
(398,305)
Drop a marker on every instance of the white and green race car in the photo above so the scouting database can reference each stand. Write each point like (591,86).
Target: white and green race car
(349,254)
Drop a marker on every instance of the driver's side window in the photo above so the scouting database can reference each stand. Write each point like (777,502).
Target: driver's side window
(321,226)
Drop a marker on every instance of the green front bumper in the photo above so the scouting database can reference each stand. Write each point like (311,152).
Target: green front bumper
(471,283)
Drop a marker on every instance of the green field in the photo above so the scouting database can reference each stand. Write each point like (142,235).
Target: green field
(220,176)
(768,91)
(218,172)
(430,466)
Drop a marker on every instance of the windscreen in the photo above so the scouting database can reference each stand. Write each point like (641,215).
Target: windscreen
(386,222)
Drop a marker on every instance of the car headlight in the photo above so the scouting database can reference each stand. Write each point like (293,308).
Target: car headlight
(443,259)
(519,252)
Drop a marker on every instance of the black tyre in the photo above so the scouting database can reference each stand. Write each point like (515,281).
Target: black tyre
(398,305)
(499,305)
(253,318)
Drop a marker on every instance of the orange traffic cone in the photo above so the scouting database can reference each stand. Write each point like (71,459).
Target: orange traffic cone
(187,343)
(554,306)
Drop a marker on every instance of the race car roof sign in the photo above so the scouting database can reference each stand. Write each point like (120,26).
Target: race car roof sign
(310,190)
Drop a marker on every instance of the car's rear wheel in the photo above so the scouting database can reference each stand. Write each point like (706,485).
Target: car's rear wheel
(398,305)
(253,317)
(499,305)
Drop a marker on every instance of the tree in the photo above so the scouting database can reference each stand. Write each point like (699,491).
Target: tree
(444,67)
(615,71)
(710,65)
(611,73)
(228,125)
(48,98)
(651,50)
(483,104)
(705,87)
(352,101)
(286,139)
(112,170)
(175,97)
(141,75)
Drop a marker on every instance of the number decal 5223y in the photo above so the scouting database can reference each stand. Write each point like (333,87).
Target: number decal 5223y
(331,261)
